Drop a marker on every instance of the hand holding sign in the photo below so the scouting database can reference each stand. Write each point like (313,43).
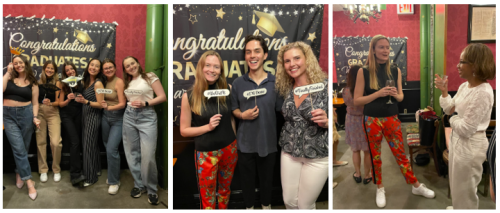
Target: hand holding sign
(214,121)
(216,93)
(254,93)
(250,114)
(319,116)
(71,81)
(308,89)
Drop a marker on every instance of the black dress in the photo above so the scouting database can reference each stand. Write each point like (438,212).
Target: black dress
(91,120)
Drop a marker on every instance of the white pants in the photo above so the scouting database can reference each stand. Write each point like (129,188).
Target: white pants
(302,180)
(465,168)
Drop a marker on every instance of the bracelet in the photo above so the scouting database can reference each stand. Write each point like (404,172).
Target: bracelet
(35,116)
(88,103)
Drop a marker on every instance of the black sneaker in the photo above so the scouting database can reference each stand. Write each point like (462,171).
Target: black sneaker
(153,199)
(136,192)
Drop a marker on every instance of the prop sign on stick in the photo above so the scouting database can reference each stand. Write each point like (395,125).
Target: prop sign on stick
(254,93)
(104,91)
(133,92)
(216,93)
(308,89)
(72,81)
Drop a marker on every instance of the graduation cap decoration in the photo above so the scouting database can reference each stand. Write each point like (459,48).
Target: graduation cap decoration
(268,23)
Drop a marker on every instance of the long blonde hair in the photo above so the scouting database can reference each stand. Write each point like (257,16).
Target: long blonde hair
(43,76)
(197,101)
(284,82)
(372,65)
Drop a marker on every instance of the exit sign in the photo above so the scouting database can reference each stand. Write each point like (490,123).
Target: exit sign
(406,9)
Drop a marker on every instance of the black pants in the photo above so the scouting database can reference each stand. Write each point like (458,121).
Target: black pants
(247,163)
(72,125)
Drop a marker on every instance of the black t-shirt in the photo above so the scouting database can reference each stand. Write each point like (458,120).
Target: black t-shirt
(378,107)
(73,107)
(43,93)
(223,134)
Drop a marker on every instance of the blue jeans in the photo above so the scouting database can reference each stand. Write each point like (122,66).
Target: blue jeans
(19,127)
(139,141)
(112,122)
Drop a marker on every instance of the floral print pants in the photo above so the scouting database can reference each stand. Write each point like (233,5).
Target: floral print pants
(390,128)
(215,166)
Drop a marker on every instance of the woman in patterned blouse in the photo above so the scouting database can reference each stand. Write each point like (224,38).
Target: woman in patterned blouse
(304,137)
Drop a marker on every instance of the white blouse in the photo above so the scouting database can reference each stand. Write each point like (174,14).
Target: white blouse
(140,90)
(473,106)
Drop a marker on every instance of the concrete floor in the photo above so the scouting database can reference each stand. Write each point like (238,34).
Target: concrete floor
(62,195)
(351,195)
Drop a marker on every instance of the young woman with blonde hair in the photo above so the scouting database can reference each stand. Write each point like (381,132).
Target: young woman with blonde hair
(211,124)
(381,116)
(304,136)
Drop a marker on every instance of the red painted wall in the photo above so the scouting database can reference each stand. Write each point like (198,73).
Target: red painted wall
(458,19)
(130,34)
(323,56)
(391,25)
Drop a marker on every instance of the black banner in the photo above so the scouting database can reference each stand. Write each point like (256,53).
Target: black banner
(41,39)
(198,28)
(349,51)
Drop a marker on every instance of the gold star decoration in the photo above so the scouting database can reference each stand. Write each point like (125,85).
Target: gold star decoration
(109,45)
(337,54)
(220,13)
(39,32)
(240,18)
(403,51)
(192,18)
(312,36)
(55,30)
(361,45)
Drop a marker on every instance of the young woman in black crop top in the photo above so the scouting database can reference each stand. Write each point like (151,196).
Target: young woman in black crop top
(20,111)
(380,117)
(49,117)
(211,124)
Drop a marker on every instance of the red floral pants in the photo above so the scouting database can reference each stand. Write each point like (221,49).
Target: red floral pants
(212,167)
(390,128)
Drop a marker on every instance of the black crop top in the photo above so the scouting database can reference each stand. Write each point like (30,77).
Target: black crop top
(223,134)
(378,107)
(44,94)
(16,93)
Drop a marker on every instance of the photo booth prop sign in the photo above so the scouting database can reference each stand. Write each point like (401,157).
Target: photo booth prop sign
(216,93)
(41,39)
(309,89)
(254,93)
(350,51)
(199,28)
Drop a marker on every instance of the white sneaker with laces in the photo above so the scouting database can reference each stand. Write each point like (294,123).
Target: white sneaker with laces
(449,208)
(44,177)
(423,190)
(380,197)
(113,189)
(57,177)
(251,208)
(266,207)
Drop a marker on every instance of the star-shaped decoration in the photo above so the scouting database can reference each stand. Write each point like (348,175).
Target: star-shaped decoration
(403,51)
(361,45)
(295,12)
(192,18)
(187,5)
(288,13)
(312,36)
(338,68)
(303,10)
(273,13)
(39,32)
(280,13)
(257,8)
(240,18)
(220,13)
(311,10)
(265,10)
(180,8)
(109,45)
(173,11)
(337,54)
(55,30)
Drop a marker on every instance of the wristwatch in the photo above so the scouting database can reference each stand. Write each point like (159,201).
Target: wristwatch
(88,103)
(147,104)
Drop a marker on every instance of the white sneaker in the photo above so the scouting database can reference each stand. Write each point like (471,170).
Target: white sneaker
(251,208)
(423,190)
(57,177)
(43,177)
(113,189)
(380,197)
(266,207)
(449,208)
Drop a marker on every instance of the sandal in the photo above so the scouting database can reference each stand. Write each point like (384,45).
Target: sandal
(367,180)
(357,179)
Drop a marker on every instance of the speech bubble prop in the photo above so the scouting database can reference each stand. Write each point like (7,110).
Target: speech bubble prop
(216,93)
(104,91)
(132,92)
(254,93)
(309,89)
(72,81)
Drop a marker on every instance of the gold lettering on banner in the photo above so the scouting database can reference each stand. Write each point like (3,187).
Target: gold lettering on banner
(76,46)
(220,42)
